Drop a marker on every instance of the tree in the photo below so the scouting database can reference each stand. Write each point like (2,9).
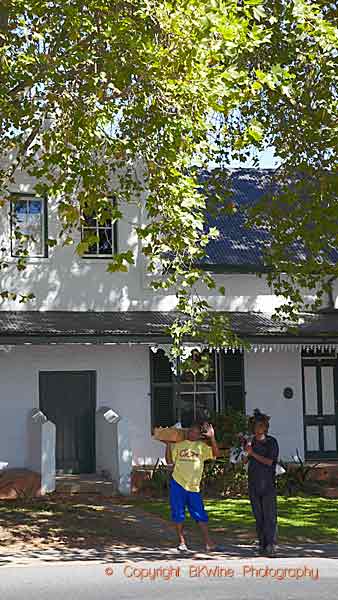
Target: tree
(150,91)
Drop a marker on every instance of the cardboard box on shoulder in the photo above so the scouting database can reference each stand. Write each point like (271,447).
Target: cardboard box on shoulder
(170,434)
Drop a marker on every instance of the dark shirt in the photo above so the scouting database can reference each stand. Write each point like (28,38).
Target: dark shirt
(261,478)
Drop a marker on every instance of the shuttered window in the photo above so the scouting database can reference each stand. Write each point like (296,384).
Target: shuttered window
(170,394)
(163,390)
(232,380)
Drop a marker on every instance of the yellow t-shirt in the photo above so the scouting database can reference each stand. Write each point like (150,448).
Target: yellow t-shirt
(189,460)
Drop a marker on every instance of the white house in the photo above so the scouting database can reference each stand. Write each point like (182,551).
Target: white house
(89,350)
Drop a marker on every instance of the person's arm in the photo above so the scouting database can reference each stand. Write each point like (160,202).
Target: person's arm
(210,434)
(168,454)
(265,460)
(259,458)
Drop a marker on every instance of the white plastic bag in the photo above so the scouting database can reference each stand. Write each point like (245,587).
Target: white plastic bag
(280,470)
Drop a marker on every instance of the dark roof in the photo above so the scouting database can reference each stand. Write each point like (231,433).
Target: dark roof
(59,326)
(238,246)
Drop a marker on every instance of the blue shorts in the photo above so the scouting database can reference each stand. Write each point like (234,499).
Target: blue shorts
(180,498)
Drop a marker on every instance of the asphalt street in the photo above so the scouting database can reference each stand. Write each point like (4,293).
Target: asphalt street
(236,579)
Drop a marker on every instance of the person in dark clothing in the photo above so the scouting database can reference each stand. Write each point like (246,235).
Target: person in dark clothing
(262,459)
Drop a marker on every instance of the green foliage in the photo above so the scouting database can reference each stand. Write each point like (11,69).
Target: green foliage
(220,478)
(228,424)
(159,481)
(296,479)
(213,474)
(138,95)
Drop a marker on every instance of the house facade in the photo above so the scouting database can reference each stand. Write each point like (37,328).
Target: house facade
(90,351)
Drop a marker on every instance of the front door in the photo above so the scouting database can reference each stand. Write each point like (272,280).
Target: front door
(67,398)
(320,402)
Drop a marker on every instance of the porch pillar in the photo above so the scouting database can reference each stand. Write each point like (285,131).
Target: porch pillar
(113,453)
(41,448)
(125,458)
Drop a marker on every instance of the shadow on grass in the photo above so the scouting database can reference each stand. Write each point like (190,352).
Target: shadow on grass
(85,529)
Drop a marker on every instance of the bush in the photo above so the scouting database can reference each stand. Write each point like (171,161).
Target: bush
(220,478)
(295,481)
(228,424)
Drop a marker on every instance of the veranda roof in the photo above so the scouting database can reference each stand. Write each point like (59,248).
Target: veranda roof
(34,327)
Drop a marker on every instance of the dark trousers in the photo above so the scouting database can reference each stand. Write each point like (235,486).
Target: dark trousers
(264,509)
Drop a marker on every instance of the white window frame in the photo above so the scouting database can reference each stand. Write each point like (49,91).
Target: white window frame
(44,224)
(97,228)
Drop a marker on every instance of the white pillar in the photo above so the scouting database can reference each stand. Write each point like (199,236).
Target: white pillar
(41,449)
(113,452)
(106,443)
(125,458)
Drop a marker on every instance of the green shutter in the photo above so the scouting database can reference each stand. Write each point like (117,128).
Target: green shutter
(233,380)
(162,390)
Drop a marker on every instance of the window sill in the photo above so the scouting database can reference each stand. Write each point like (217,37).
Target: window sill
(11,260)
(98,257)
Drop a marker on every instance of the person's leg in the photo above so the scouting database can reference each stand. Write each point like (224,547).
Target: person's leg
(257,509)
(177,498)
(270,519)
(199,514)
(180,534)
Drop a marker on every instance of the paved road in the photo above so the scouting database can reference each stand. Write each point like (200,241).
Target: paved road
(239,579)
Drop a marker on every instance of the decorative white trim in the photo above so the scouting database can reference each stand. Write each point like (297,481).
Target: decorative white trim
(268,348)
(188,347)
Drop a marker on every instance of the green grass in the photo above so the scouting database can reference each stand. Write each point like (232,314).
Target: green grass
(311,519)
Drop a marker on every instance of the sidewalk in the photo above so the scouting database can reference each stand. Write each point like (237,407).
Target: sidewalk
(138,536)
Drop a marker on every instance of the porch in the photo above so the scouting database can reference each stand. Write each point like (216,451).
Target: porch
(78,368)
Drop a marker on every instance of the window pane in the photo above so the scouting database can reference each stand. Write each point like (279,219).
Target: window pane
(34,207)
(20,207)
(196,406)
(310,391)
(105,241)
(330,442)
(89,232)
(328,392)
(28,219)
(312,438)
(203,359)
(90,221)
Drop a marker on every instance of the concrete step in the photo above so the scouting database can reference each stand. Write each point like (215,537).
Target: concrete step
(81,484)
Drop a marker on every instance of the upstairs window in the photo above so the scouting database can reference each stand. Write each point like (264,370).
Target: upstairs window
(28,226)
(101,233)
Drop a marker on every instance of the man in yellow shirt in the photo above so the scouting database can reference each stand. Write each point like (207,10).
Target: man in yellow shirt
(188,457)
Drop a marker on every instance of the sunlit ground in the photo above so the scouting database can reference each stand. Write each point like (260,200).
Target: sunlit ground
(299,519)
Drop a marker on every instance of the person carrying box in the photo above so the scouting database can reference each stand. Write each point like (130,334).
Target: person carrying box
(188,458)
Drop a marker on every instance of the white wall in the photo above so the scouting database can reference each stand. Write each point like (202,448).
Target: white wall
(266,376)
(122,382)
(65,281)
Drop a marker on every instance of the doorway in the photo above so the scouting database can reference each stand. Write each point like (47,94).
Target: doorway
(68,399)
(320,404)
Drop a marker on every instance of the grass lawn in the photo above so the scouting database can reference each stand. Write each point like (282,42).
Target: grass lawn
(311,519)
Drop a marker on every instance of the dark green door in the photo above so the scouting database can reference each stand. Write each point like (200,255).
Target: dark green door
(67,398)
(320,401)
